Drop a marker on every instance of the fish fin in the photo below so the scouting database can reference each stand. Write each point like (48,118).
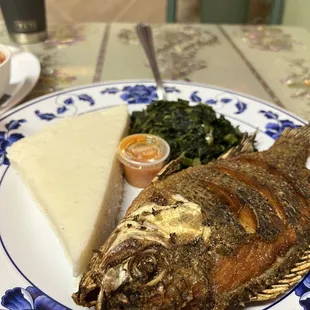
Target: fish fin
(298,132)
(245,146)
(291,149)
(289,280)
(172,167)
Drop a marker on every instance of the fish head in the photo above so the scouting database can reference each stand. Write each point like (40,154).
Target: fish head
(156,256)
(139,279)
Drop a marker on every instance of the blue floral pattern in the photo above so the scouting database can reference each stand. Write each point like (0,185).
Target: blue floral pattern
(30,298)
(137,93)
(240,106)
(8,137)
(303,292)
(275,126)
(65,106)
(110,90)
(131,94)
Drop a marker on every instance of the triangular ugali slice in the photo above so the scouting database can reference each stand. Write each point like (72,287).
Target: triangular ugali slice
(74,176)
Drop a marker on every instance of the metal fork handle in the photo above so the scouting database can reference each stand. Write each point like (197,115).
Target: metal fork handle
(146,38)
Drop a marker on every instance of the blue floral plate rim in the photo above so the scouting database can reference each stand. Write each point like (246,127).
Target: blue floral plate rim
(149,81)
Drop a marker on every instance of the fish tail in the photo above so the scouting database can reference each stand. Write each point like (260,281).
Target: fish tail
(293,146)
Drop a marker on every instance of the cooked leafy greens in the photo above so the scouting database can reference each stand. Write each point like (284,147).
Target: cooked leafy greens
(195,132)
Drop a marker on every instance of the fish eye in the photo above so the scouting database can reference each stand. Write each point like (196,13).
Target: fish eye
(144,267)
(149,266)
(147,263)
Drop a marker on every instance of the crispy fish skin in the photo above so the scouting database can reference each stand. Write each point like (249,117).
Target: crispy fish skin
(210,236)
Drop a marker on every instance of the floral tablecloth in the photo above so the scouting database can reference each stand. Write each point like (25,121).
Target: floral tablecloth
(271,63)
(70,56)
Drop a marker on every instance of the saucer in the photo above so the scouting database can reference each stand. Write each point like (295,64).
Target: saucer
(25,72)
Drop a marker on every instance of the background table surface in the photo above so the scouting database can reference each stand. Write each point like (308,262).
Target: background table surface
(261,61)
(271,63)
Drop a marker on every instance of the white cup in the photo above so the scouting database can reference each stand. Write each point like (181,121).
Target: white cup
(5,70)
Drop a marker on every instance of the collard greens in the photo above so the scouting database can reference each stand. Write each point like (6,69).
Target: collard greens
(192,131)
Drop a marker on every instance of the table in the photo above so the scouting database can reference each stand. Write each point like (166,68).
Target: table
(271,63)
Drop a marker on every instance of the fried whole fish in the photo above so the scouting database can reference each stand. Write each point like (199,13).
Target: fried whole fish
(208,237)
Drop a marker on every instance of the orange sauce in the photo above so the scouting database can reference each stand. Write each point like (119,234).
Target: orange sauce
(140,178)
(143,156)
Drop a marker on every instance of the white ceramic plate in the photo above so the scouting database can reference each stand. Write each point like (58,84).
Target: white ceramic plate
(25,72)
(33,270)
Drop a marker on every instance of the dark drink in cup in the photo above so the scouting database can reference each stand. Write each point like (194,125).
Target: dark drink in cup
(25,20)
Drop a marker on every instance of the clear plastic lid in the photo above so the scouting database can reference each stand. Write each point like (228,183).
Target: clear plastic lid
(143,151)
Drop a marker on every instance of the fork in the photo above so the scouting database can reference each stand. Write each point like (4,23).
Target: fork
(146,38)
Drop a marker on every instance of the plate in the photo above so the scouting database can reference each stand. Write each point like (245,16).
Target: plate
(25,72)
(33,269)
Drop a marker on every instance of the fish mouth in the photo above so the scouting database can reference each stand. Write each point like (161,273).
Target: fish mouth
(87,297)
(117,293)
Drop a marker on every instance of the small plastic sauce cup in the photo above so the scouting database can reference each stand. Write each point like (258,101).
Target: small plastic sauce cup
(143,156)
